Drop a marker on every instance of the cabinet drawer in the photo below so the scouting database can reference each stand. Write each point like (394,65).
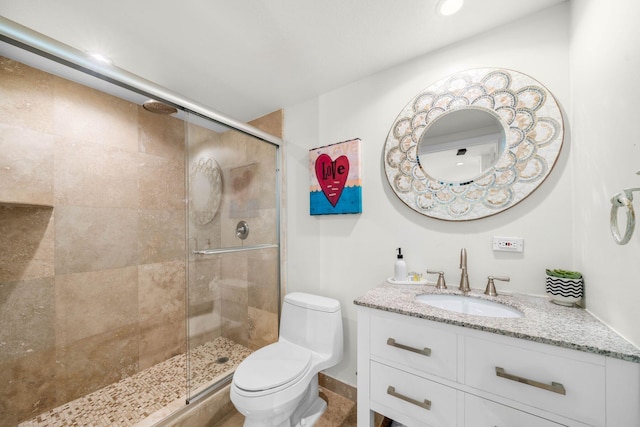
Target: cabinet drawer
(410,399)
(485,413)
(414,343)
(554,383)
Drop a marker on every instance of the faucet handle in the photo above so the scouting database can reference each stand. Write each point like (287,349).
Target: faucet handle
(440,284)
(491,287)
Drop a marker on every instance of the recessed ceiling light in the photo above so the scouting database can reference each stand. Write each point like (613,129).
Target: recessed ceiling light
(449,7)
(460,164)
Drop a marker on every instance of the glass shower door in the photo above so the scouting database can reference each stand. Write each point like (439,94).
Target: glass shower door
(233,278)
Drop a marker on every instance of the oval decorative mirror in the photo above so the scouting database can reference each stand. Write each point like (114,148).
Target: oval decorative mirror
(473,144)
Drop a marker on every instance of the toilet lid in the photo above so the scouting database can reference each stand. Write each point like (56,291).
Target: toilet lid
(272,366)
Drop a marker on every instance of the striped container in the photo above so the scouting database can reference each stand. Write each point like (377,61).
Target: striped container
(565,291)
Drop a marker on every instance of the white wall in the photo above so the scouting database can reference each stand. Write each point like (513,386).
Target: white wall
(344,256)
(605,62)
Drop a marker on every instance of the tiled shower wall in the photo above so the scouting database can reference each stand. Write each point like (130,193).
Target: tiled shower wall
(92,283)
(92,240)
(235,295)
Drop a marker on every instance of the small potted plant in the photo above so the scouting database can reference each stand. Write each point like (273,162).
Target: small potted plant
(564,287)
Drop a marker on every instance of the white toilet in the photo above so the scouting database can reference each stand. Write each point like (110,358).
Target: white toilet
(278,384)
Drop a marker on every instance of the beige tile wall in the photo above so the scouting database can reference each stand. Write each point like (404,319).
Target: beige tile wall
(92,282)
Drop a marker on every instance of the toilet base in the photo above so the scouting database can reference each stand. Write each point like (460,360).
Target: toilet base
(313,414)
(309,410)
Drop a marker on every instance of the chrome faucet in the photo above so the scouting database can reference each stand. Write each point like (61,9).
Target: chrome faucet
(464,277)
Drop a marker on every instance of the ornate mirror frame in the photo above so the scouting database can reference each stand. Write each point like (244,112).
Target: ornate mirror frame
(535,132)
(208,170)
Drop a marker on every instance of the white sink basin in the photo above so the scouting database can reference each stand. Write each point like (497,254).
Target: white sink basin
(469,305)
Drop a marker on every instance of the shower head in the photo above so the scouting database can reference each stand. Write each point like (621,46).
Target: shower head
(158,107)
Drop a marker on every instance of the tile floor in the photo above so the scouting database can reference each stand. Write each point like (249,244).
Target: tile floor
(147,397)
(141,399)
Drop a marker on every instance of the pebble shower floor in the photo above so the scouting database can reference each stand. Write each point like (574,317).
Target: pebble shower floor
(131,401)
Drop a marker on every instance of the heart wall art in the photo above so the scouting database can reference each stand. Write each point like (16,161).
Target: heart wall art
(336,184)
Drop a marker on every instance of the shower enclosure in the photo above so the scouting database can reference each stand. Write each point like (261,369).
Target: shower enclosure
(139,253)
(233,250)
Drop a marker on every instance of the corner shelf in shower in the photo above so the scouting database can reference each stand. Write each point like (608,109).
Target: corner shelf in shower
(12,204)
(235,249)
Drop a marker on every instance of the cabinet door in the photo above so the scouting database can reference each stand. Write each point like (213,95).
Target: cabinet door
(415,343)
(412,400)
(480,412)
(568,387)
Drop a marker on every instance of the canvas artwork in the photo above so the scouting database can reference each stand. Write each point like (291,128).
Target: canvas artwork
(336,183)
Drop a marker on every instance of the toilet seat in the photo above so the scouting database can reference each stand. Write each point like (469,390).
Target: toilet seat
(272,367)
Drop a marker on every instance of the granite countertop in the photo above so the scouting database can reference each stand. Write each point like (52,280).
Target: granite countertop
(543,321)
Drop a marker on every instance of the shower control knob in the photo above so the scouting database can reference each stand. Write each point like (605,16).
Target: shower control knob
(242,230)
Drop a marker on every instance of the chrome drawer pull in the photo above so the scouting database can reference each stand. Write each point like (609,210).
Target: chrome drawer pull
(554,387)
(425,351)
(426,404)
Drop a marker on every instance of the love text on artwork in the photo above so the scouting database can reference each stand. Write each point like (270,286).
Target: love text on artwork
(332,176)
(330,170)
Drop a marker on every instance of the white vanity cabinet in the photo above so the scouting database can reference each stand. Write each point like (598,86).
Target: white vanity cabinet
(482,412)
(425,373)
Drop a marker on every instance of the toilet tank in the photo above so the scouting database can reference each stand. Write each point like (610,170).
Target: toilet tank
(313,322)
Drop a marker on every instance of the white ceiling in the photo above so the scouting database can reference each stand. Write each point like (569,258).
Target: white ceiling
(246,58)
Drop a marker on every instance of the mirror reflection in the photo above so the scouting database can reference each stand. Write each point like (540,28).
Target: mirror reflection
(205,190)
(461,145)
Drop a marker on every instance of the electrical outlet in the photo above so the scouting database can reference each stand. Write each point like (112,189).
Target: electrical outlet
(508,244)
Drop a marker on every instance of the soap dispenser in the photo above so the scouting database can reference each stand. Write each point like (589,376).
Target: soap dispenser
(400,268)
